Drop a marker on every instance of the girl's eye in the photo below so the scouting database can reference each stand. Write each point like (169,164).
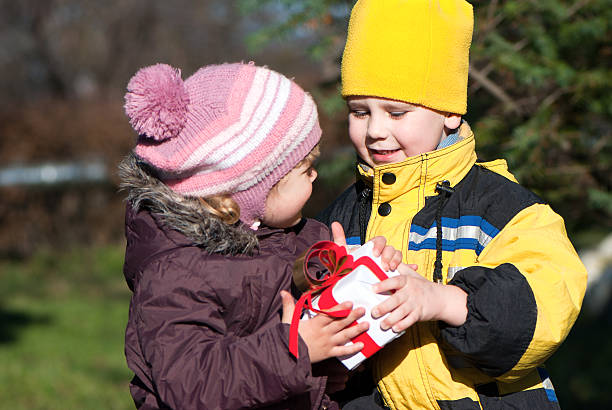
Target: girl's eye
(310,170)
(397,114)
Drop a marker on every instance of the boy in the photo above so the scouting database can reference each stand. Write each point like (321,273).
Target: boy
(498,284)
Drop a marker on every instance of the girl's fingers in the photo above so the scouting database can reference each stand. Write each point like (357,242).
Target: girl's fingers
(288,306)
(326,319)
(342,306)
(351,332)
(347,350)
(338,234)
(338,324)
(335,325)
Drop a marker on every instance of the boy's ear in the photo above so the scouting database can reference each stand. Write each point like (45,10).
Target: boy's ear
(452,121)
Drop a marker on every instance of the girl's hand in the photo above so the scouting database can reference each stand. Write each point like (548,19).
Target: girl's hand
(391,257)
(416,300)
(324,335)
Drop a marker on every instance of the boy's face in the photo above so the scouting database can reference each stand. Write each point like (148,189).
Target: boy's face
(287,198)
(388,131)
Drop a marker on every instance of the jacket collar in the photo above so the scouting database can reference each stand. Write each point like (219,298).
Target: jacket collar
(418,175)
(183,220)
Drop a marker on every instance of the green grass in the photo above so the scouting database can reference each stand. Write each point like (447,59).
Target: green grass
(61,335)
(63,315)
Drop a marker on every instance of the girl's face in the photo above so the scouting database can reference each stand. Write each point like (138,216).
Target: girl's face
(388,131)
(287,198)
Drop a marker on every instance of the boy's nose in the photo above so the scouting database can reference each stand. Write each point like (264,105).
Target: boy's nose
(376,129)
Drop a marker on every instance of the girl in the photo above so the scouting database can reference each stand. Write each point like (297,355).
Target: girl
(216,184)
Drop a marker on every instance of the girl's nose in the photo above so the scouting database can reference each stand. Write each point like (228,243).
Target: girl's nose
(313,175)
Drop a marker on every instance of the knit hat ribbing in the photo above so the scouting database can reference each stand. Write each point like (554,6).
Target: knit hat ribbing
(410,50)
(228,129)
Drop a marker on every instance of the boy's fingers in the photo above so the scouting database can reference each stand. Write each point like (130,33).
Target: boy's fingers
(393,283)
(379,245)
(389,256)
(398,313)
(400,325)
(338,234)
(396,260)
(388,305)
(288,306)
(405,323)
(406,269)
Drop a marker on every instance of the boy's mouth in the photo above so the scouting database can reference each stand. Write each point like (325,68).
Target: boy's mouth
(385,156)
(382,152)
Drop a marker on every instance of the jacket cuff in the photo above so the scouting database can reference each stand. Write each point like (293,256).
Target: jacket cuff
(303,367)
(501,320)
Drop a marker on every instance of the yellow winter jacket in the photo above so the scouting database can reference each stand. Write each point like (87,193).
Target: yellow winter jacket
(498,242)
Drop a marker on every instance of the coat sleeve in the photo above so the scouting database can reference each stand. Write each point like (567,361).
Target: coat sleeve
(197,363)
(524,295)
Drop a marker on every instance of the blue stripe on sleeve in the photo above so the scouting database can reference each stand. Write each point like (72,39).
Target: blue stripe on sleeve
(353,240)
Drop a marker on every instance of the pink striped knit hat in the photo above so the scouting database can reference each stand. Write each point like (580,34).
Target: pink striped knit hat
(228,129)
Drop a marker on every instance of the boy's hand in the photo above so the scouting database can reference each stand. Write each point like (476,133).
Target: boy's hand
(324,335)
(416,300)
(391,257)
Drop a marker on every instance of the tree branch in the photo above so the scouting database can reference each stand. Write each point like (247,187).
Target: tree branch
(493,89)
(576,7)
(519,45)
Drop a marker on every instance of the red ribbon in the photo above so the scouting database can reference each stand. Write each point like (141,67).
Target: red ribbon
(338,263)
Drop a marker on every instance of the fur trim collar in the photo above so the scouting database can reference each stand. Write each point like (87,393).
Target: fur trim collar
(183,214)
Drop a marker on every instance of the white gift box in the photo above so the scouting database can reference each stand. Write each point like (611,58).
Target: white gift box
(356,287)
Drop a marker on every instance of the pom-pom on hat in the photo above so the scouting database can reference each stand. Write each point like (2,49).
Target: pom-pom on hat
(228,129)
(157,107)
(415,51)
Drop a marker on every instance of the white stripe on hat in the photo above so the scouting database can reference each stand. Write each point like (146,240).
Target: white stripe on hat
(250,104)
(297,134)
(302,126)
(264,120)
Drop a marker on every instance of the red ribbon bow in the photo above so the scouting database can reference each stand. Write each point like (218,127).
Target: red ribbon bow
(338,263)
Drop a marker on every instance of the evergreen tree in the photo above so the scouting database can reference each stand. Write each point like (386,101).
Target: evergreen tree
(540,92)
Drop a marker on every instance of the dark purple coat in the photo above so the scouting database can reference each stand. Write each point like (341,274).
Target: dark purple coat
(204,329)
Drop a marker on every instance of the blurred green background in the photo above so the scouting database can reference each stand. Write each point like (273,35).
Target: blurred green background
(540,95)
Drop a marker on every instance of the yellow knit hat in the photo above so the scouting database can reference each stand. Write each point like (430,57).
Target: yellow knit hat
(410,50)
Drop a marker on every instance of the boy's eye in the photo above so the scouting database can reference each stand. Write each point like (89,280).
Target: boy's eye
(359,113)
(397,114)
